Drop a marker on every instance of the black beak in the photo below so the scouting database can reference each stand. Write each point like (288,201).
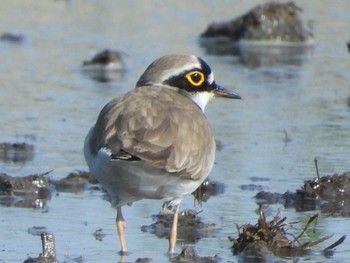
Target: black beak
(225,93)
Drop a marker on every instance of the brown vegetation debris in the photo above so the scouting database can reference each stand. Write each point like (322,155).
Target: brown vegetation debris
(267,238)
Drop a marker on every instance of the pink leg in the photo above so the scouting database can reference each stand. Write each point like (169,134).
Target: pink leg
(120,229)
(173,232)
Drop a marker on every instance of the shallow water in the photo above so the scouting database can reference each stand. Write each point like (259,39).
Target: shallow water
(47,101)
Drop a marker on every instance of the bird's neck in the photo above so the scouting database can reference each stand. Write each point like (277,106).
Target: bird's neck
(201,99)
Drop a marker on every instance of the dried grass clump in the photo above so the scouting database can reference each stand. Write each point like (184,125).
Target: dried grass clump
(267,238)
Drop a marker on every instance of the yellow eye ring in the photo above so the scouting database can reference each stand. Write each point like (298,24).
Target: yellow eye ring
(195,78)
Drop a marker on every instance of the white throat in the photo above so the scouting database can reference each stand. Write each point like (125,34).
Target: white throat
(201,98)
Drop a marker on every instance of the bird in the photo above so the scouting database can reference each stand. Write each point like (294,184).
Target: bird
(155,142)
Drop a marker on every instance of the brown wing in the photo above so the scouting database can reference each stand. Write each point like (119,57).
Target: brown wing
(165,129)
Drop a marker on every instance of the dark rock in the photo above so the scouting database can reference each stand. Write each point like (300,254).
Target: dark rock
(272,21)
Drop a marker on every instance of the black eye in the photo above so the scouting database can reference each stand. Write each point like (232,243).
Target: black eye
(196,78)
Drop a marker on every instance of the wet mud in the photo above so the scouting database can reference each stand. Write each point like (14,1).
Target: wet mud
(34,191)
(330,194)
(189,254)
(266,239)
(76,182)
(190,227)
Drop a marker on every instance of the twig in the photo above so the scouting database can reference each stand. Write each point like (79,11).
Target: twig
(316,166)
(313,243)
(311,219)
(336,243)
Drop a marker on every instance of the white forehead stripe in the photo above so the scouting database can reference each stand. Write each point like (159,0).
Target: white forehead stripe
(195,63)
(211,78)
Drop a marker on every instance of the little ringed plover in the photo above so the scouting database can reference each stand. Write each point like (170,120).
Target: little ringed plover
(155,142)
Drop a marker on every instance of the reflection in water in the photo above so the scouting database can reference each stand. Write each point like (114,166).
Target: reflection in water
(103,75)
(16,152)
(254,54)
(263,56)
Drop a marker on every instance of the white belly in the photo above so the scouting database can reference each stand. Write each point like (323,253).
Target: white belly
(128,181)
